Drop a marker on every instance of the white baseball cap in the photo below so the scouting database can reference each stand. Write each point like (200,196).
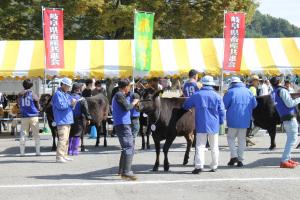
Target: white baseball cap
(235,79)
(67,81)
(208,80)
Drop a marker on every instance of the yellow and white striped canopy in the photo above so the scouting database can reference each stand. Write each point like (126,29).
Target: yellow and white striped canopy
(113,58)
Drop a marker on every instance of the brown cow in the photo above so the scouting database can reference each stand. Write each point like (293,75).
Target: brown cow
(98,108)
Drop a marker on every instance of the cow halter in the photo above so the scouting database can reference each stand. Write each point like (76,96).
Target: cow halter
(153,126)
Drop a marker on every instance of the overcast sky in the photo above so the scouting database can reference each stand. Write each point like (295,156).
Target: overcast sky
(286,9)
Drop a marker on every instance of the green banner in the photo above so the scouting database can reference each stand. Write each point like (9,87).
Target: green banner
(143,32)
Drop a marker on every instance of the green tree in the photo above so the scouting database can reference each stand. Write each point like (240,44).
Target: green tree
(113,19)
(268,26)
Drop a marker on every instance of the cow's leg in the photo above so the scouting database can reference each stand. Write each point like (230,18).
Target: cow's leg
(148,133)
(272,133)
(157,149)
(189,139)
(54,134)
(194,141)
(82,147)
(167,146)
(98,135)
(143,137)
(104,132)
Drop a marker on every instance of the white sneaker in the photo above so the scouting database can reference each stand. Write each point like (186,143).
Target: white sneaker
(68,159)
(60,160)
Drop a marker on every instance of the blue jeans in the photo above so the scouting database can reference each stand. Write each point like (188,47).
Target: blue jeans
(125,138)
(291,128)
(135,126)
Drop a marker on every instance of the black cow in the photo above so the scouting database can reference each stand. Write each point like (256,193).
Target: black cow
(144,123)
(266,117)
(168,120)
(98,108)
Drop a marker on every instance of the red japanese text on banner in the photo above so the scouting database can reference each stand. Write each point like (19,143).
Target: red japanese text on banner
(54,38)
(234,33)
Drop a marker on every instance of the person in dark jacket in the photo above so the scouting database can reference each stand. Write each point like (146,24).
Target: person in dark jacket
(98,89)
(87,92)
(80,111)
(121,107)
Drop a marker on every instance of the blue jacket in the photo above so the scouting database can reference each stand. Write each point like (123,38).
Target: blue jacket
(134,112)
(284,104)
(62,109)
(121,109)
(239,103)
(209,108)
(77,110)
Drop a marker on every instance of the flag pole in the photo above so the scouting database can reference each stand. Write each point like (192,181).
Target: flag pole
(134,24)
(44,88)
(222,69)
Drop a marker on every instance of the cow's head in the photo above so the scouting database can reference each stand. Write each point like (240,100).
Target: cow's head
(150,101)
(45,101)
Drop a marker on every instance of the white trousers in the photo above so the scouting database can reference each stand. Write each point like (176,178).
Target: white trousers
(201,139)
(240,134)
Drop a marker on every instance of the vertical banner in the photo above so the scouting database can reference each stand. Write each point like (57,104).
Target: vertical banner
(234,34)
(53,28)
(143,33)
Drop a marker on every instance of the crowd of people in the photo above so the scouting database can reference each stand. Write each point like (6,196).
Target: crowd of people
(70,110)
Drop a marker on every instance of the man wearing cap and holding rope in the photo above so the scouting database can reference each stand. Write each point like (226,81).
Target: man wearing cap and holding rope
(209,115)
(62,108)
(239,103)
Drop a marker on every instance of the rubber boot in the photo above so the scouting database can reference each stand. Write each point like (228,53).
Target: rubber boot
(70,148)
(37,147)
(75,144)
(22,144)
(128,174)
(121,163)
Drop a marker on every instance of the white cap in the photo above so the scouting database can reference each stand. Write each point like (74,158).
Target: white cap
(208,80)
(235,79)
(67,81)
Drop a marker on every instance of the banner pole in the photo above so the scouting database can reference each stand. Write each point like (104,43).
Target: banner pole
(222,69)
(44,88)
(134,24)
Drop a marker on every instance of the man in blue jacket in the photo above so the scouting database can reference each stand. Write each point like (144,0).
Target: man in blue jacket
(286,108)
(210,113)
(239,103)
(121,107)
(62,104)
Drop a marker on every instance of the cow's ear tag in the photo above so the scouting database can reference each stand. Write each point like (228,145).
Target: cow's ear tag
(153,127)
(53,124)
(145,115)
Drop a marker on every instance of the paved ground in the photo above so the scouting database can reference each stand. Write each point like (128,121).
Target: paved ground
(92,175)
